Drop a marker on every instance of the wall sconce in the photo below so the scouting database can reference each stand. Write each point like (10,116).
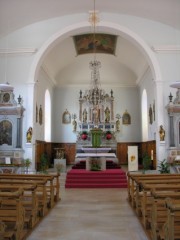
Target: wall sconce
(19,100)
(170,97)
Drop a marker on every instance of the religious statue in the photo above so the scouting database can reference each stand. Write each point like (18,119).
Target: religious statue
(29,135)
(118,125)
(161,133)
(85,116)
(107,115)
(74,123)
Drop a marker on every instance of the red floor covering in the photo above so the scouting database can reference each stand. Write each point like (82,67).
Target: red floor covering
(110,178)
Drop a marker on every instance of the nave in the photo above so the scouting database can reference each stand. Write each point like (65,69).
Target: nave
(90,214)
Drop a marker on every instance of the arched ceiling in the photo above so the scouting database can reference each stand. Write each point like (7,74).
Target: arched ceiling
(62,64)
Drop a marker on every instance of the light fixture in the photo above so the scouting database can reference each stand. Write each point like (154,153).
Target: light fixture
(94,97)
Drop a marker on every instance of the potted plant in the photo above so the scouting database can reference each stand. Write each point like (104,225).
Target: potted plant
(95,165)
(59,167)
(27,163)
(146,162)
(164,167)
(44,163)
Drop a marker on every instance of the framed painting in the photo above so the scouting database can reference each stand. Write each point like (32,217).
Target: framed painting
(103,43)
(66,117)
(126,118)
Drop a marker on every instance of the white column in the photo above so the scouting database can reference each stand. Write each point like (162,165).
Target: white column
(159,109)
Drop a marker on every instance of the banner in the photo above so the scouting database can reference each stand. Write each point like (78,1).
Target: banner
(132,158)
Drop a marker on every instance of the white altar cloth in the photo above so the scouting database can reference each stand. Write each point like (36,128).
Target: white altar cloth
(83,155)
(105,156)
(95,150)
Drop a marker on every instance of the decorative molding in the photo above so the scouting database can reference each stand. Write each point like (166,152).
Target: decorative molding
(166,49)
(18,51)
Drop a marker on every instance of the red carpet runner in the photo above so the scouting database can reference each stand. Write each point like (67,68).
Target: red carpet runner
(110,178)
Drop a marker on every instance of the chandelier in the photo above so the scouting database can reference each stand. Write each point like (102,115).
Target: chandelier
(95,96)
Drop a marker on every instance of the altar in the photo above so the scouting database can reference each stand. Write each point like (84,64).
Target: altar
(100,157)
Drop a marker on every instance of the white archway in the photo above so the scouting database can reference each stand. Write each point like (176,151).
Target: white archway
(103,27)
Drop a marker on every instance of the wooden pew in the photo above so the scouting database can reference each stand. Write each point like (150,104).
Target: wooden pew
(29,199)
(41,191)
(159,213)
(14,217)
(144,198)
(171,229)
(52,186)
(135,179)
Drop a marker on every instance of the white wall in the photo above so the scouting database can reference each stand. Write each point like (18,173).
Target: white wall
(124,99)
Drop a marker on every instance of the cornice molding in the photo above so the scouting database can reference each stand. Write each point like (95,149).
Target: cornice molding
(166,48)
(18,51)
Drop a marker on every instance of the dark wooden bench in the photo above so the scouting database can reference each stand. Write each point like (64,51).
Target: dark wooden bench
(13,218)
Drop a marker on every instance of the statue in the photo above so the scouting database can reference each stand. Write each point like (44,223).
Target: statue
(118,125)
(161,133)
(107,115)
(29,135)
(74,123)
(85,116)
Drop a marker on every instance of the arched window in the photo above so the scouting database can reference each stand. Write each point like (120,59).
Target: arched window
(47,117)
(144,116)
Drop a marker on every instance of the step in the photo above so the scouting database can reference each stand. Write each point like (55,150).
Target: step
(81,185)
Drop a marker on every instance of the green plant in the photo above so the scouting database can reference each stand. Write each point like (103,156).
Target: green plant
(164,167)
(146,162)
(27,163)
(44,163)
(95,165)
(59,167)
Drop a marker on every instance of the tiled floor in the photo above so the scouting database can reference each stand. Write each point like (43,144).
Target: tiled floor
(90,214)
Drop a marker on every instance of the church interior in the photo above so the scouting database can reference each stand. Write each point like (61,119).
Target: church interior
(89,119)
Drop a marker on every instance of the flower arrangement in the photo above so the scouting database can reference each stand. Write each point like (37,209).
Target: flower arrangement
(108,135)
(84,135)
(95,165)
(59,167)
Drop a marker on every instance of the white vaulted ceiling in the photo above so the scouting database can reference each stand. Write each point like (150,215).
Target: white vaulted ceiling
(63,65)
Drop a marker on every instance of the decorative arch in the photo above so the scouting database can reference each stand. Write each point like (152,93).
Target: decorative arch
(103,26)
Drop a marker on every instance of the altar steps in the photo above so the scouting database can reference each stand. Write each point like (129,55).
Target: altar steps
(109,165)
(110,178)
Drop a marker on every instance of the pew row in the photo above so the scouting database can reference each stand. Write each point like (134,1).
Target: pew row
(147,195)
(40,193)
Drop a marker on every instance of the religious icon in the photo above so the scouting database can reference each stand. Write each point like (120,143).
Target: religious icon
(66,118)
(126,118)
(150,114)
(40,115)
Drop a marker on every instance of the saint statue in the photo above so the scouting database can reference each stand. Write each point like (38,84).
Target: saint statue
(107,115)
(85,116)
(29,135)
(161,133)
